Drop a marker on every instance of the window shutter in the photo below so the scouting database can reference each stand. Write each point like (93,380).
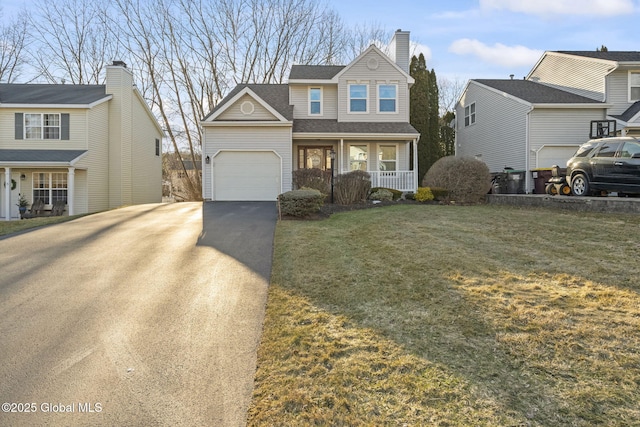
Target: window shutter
(64,126)
(19,125)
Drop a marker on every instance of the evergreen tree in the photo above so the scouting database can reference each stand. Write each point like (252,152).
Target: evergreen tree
(424,113)
(447,134)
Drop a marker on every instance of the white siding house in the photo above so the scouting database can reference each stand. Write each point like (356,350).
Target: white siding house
(540,121)
(95,147)
(259,134)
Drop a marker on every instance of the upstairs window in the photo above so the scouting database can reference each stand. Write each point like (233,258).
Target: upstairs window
(634,86)
(42,126)
(470,114)
(315,101)
(357,98)
(387,98)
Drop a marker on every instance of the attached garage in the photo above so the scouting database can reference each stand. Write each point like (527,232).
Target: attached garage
(555,155)
(246,175)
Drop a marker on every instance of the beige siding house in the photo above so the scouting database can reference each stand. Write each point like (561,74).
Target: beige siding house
(94,146)
(259,134)
(540,121)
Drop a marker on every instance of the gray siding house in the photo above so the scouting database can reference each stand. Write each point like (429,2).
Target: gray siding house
(540,121)
(259,134)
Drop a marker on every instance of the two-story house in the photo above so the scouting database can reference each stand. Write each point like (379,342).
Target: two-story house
(94,146)
(540,121)
(259,134)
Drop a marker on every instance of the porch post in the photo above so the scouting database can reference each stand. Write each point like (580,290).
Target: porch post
(71,190)
(415,165)
(7,194)
(340,162)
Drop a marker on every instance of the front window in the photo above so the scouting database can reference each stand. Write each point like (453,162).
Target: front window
(357,98)
(49,187)
(634,86)
(387,158)
(42,126)
(315,101)
(470,114)
(358,157)
(387,98)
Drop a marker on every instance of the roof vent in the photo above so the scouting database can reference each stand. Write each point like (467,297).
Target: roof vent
(511,75)
(119,64)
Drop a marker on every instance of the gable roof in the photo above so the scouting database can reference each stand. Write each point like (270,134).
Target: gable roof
(630,113)
(275,95)
(374,48)
(314,72)
(48,94)
(536,93)
(618,56)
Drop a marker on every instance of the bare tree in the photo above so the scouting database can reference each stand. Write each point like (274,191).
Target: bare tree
(14,38)
(74,43)
(449,92)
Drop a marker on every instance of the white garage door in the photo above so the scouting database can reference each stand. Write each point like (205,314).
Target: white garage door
(549,156)
(246,175)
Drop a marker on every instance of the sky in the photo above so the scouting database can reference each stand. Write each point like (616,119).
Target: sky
(473,39)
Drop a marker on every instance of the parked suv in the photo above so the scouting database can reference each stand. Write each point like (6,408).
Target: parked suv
(607,164)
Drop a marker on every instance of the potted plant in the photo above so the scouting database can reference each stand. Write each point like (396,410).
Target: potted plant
(22,204)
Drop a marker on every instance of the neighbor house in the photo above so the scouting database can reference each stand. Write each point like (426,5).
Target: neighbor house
(540,121)
(94,146)
(259,134)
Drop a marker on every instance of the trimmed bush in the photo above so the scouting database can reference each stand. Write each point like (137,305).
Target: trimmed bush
(423,194)
(397,194)
(312,178)
(352,187)
(381,194)
(466,180)
(301,203)
(439,193)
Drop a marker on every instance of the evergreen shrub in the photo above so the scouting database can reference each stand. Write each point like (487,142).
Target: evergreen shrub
(301,203)
(423,194)
(312,178)
(465,179)
(381,194)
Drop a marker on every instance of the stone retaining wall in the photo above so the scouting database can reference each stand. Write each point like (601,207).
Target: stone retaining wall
(580,204)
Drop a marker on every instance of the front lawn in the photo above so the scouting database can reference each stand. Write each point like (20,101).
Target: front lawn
(17,225)
(452,316)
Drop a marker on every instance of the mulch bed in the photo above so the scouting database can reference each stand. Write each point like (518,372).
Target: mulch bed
(330,208)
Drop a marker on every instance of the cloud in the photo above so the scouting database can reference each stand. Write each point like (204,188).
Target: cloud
(506,56)
(417,49)
(563,7)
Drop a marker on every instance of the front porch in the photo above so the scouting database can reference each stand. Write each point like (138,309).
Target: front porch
(389,163)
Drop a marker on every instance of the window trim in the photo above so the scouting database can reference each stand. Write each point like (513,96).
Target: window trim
(469,115)
(42,126)
(395,99)
(50,188)
(381,161)
(312,101)
(366,98)
(629,85)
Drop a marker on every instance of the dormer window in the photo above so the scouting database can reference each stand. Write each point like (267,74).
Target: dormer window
(358,98)
(387,98)
(315,101)
(634,86)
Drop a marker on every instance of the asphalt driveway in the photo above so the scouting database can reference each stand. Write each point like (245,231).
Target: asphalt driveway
(146,315)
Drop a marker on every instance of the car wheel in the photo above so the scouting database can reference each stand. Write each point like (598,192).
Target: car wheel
(565,190)
(580,185)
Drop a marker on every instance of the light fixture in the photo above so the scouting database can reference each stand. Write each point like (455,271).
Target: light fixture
(23,177)
(207,160)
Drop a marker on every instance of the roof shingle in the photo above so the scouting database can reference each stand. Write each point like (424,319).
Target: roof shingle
(536,93)
(11,93)
(314,72)
(618,56)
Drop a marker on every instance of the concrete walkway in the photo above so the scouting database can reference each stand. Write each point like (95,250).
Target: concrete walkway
(143,316)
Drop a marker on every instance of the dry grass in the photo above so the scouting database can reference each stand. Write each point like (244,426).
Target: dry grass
(453,316)
(15,226)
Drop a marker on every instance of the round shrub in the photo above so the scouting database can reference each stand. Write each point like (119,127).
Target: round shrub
(465,179)
(300,203)
(382,195)
(423,194)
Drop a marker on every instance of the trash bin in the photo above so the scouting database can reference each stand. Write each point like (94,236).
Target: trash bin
(515,181)
(540,178)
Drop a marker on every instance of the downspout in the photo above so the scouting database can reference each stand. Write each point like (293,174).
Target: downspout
(527,157)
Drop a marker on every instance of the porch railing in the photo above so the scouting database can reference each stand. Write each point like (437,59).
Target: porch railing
(398,180)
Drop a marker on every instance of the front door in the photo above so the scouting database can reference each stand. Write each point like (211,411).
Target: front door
(15,190)
(314,157)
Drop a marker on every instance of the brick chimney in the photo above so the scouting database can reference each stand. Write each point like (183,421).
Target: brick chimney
(399,49)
